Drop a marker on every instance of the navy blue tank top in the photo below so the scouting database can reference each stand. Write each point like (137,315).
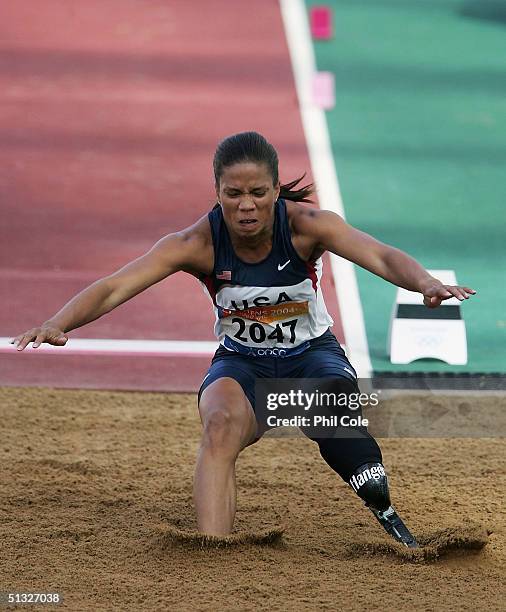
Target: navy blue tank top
(270,308)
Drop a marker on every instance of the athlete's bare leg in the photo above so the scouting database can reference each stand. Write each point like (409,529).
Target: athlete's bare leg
(229,426)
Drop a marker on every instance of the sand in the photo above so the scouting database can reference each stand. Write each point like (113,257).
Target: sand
(96,505)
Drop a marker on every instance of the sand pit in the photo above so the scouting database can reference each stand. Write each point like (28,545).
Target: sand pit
(459,540)
(96,504)
(170,536)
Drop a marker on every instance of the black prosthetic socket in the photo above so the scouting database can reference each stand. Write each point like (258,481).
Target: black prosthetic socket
(370,483)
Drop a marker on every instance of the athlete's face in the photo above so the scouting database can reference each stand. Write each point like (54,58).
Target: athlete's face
(247,195)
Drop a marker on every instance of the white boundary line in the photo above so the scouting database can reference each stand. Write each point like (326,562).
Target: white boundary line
(126,348)
(322,163)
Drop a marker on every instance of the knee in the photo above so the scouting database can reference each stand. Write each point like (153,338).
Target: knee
(370,483)
(221,433)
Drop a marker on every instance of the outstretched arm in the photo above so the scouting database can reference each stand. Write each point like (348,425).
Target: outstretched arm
(333,234)
(186,250)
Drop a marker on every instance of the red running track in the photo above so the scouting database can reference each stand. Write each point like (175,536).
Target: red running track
(109,115)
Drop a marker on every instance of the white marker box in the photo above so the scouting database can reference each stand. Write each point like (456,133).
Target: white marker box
(418,332)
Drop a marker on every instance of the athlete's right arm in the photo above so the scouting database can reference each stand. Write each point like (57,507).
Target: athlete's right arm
(189,250)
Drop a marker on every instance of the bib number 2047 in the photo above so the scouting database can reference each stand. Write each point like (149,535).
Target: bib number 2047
(258,334)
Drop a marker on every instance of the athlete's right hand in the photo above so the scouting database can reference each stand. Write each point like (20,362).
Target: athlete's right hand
(45,333)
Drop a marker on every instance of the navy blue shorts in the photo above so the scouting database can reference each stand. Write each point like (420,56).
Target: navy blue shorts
(325,358)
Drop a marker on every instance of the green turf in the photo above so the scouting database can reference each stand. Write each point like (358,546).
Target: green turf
(419,139)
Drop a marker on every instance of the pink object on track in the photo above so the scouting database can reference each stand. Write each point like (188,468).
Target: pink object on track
(321,22)
(324,90)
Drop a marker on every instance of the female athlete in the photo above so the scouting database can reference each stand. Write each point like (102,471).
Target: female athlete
(258,254)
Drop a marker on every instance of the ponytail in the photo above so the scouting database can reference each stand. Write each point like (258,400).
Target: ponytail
(287,191)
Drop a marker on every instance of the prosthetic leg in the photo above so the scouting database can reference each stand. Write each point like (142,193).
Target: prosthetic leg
(370,483)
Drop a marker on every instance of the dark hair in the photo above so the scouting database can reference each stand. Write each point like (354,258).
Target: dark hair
(253,147)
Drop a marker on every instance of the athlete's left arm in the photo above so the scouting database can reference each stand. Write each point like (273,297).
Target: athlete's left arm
(334,234)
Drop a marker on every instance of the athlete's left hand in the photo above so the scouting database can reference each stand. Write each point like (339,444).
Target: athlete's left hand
(435,292)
